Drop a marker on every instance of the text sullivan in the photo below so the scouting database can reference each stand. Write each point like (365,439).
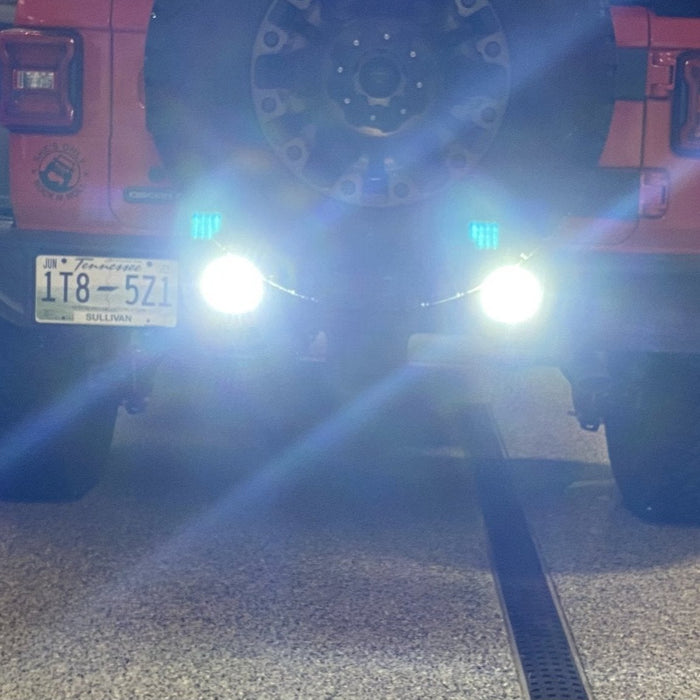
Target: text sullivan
(108,318)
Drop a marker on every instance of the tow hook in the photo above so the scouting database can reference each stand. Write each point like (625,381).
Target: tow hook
(590,398)
(590,389)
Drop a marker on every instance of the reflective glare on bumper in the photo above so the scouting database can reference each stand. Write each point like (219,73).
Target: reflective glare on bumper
(232,285)
(511,294)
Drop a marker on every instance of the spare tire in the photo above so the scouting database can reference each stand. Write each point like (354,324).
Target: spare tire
(349,115)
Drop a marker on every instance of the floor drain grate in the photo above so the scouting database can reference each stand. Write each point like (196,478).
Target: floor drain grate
(548,662)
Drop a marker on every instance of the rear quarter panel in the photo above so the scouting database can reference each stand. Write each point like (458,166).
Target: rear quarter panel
(112,151)
(640,136)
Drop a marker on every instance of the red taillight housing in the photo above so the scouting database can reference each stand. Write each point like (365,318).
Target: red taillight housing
(40,81)
(686,112)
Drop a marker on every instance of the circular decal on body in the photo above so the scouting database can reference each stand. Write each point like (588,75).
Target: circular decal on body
(59,171)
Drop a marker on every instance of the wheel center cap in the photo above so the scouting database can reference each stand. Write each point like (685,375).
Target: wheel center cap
(380,77)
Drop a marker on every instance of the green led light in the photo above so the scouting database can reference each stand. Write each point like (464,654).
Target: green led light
(484,234)
(205,225)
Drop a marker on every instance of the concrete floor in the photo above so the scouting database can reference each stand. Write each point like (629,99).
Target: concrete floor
(188,574)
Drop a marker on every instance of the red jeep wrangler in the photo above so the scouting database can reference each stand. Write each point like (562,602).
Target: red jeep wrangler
(261,174)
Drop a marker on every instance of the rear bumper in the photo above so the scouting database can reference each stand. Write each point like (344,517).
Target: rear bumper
(628,302)
(197,325)
(351,301)
(596,301)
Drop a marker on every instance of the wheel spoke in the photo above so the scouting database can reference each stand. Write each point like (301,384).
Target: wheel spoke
(293,21)
(331,156)
(287,126)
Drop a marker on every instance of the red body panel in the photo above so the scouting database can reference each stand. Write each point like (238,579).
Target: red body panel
(112,152)
(639,135)
(623,148)
(76,14)
(131,16)
(631,25)
(85,206)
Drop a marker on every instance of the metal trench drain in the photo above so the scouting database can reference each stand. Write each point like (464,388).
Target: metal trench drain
(546,657)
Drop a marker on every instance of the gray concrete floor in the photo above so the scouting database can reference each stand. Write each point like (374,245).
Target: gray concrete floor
(188,574)
(630,591)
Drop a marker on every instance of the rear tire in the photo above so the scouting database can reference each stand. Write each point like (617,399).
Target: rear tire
(58,406)
(653,433)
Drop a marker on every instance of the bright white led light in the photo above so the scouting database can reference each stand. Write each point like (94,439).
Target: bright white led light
(232,285)
(511,294)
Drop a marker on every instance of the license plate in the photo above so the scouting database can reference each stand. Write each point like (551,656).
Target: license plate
(105,291)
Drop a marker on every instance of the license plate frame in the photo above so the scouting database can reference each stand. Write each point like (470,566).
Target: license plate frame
(105,291)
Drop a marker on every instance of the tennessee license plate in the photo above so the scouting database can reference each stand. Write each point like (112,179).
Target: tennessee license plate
(105,291)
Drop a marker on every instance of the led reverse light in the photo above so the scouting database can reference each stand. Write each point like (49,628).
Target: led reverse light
(485,235)
(232,285)
(511,295)
(204,225)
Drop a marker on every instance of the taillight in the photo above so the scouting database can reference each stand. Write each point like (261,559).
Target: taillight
(40,80)
(686,117)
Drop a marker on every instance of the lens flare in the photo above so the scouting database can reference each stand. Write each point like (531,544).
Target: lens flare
(232,285)
(511,295)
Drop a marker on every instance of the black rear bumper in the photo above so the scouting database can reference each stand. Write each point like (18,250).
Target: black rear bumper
(628,302)
(595,301)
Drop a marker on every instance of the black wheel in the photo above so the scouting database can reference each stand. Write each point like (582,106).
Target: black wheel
(653,433)
(58,406)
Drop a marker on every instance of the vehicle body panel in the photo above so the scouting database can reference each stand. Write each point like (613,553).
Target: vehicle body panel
(82,205)
(76,14)
(640,135)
